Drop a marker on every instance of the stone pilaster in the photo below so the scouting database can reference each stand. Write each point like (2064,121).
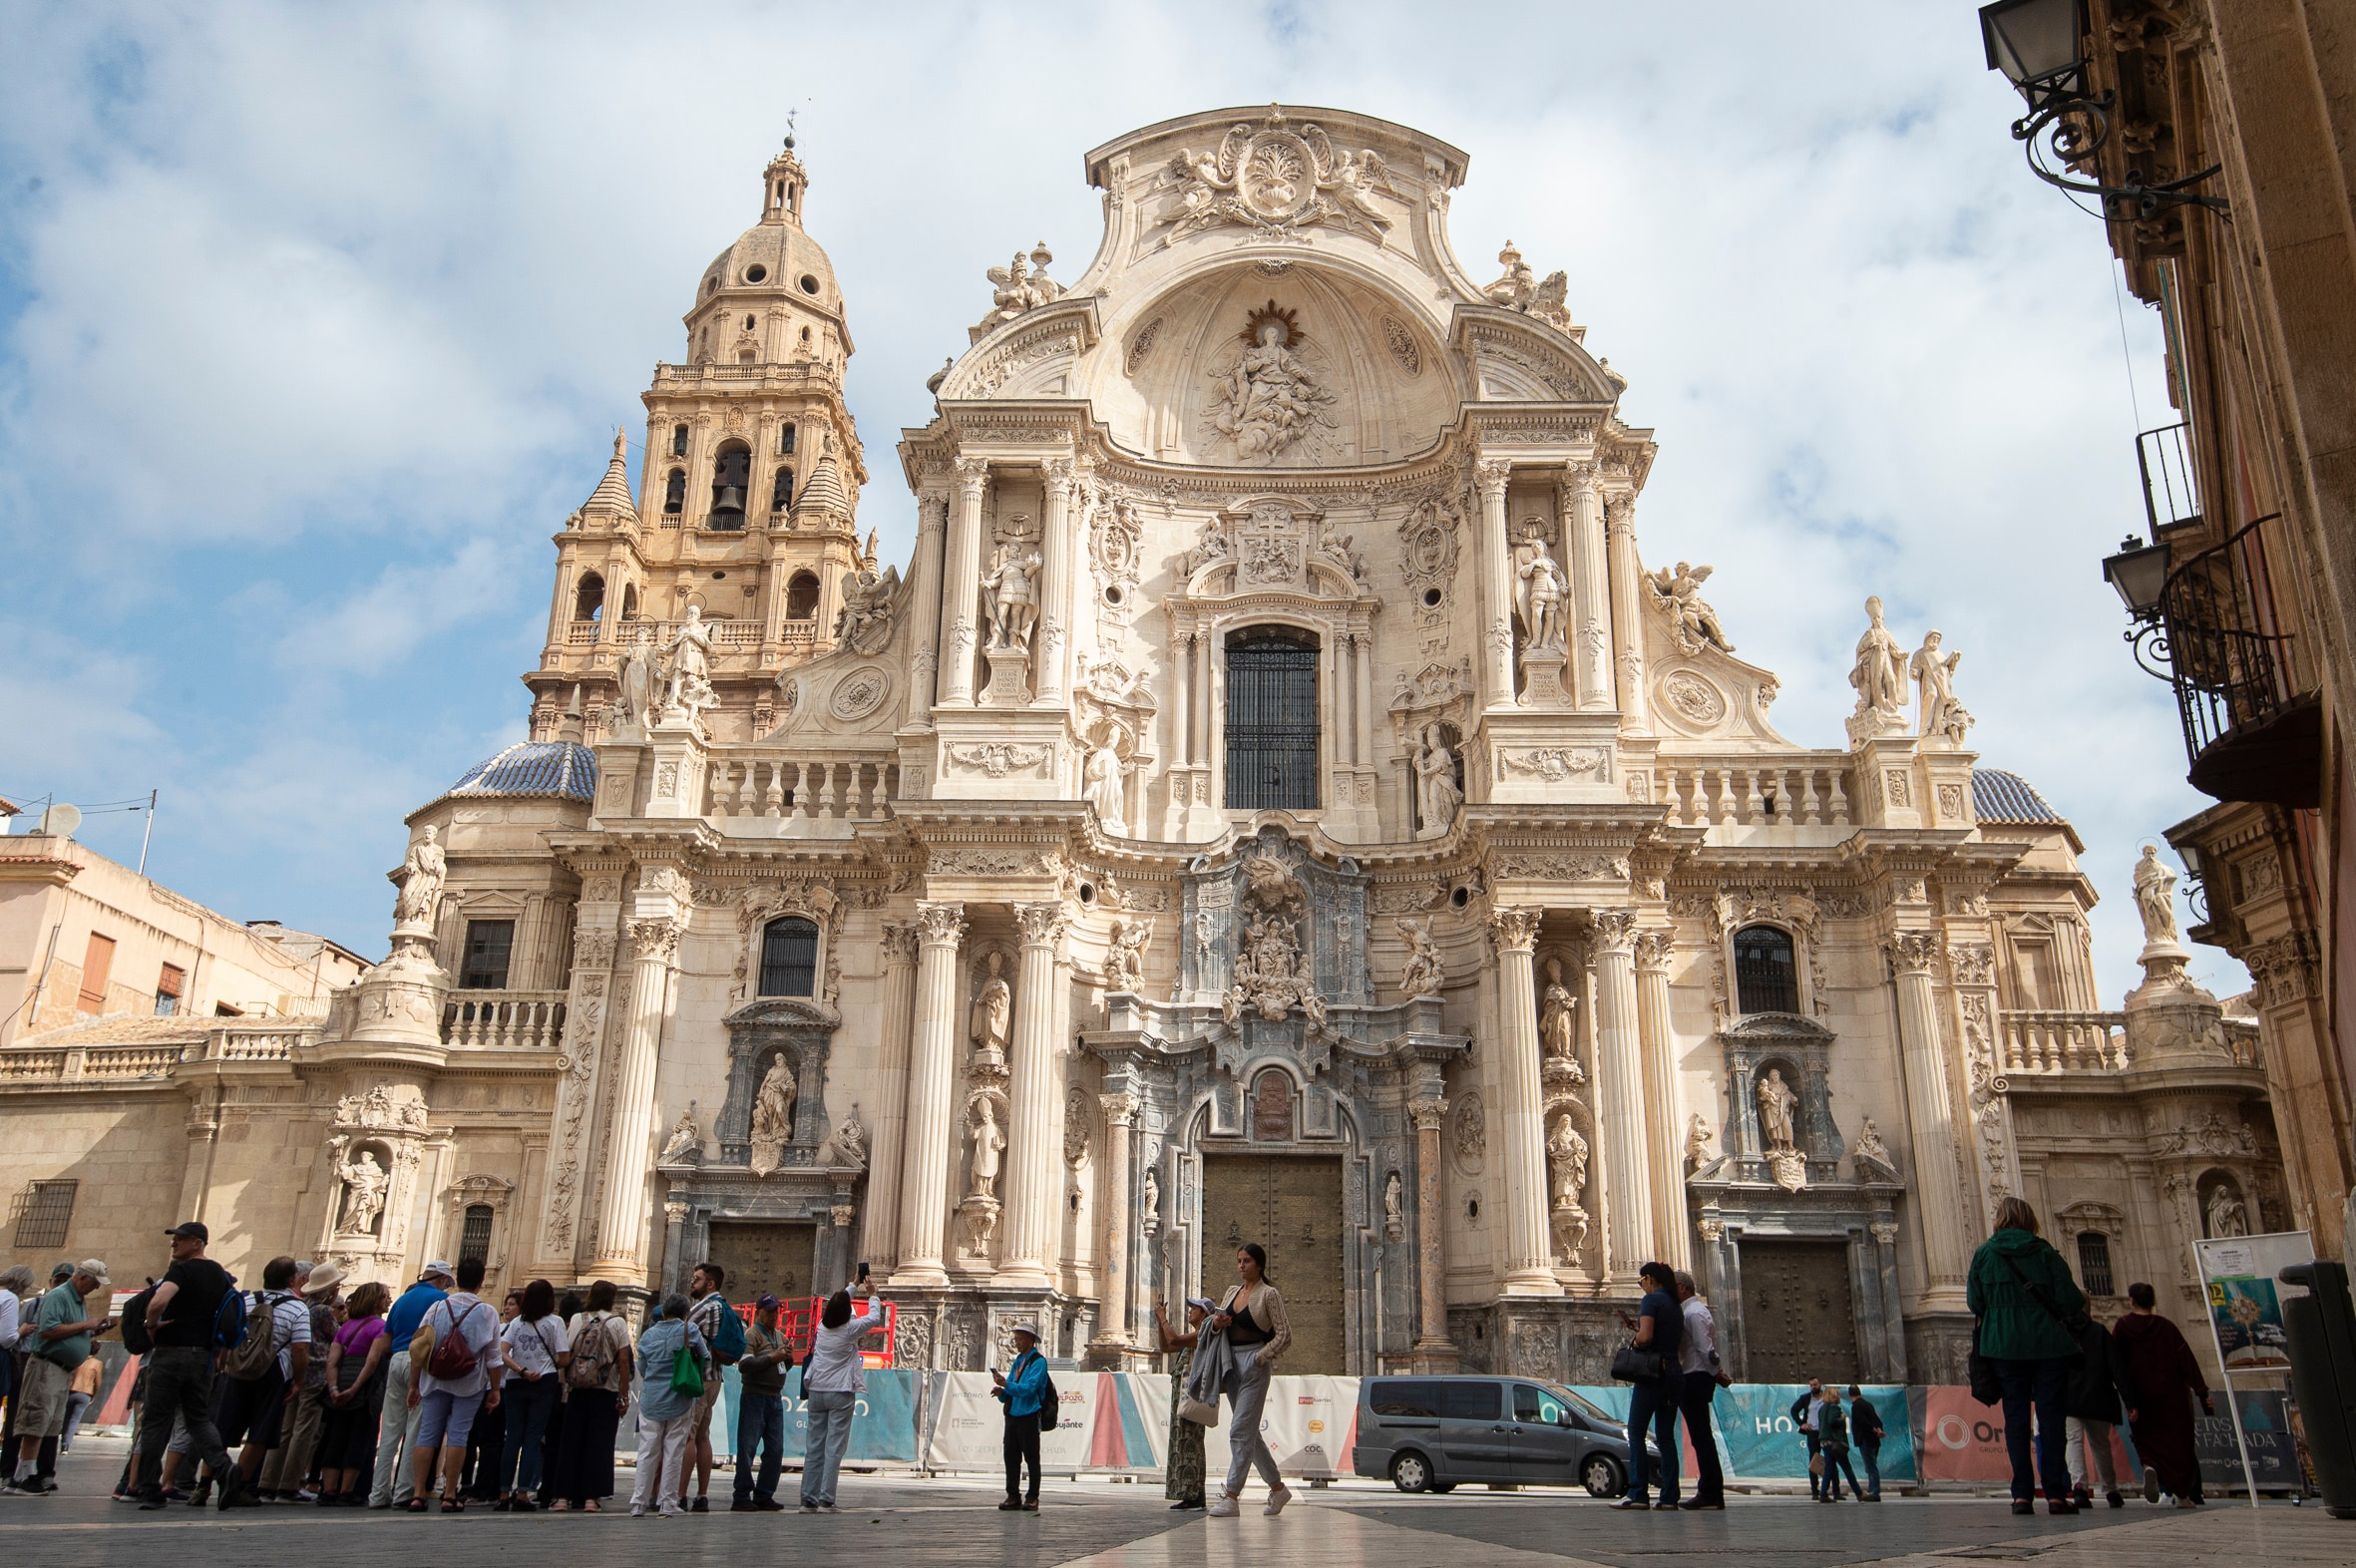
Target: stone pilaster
(1055,575)
(890,1136)
(931,1117)
(924,593)
(1583,551)
(1621,1118)
(1930,1123)
(961,598)
(621,1254)
(1496,584)
(1529,1248)
(1434,1351)
(1664,1146)
(1619,513)
(1037,1134)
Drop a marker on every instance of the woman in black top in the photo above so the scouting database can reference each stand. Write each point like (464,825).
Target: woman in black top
(1659,1326)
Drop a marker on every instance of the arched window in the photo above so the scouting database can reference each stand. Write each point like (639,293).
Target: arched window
(678,441)
(1765,977)
(474,1241)
(589,599)
(732,476)
(629,602)
(781,496)
(675,493)
(785,441)
(1271,719)
(801,596)
(789,958)
(2094,1263)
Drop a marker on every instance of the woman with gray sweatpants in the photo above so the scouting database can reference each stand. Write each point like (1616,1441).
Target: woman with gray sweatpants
(1253,1320)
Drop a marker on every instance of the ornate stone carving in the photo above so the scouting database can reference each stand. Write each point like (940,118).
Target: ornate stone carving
(860,691)
(1693,699)
(1521,866)
(864,624)
(1268,401)
(1934,678)
(1971,964)
(1912,952)
(1277,178)
(1428,542)
(1020,287)
(997,759)
(1514,930)
(1468,1142)
(685,1143)
(1697,1142)
(1125,956)
(1872,1156)
(2284,968)
(1558,764)
(1076,1116)
(1422,974)
(1521,290)
(1677,593)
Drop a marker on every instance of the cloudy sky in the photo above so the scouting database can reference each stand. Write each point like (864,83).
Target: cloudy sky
(315,321)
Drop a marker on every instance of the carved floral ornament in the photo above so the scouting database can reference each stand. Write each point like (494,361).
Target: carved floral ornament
(1278,179)
(1559,764)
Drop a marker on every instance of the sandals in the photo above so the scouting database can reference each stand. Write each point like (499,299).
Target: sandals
(416,1505)
(452,1506)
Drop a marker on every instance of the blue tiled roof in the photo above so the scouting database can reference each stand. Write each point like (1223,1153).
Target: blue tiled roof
(563,768)
(1998,796)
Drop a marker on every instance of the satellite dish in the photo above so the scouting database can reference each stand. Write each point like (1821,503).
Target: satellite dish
(61,819)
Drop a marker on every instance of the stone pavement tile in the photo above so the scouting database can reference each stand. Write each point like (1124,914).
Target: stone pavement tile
(1307,1535)
(2275,1534)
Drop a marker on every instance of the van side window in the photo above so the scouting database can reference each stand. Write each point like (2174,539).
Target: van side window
(1536,1404)
(1469,1402)
(1395,1397)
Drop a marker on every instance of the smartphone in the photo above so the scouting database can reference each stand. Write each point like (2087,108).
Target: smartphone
(863,1273)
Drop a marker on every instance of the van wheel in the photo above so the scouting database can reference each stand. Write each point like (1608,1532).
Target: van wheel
(1601,1477)
(1411,1472)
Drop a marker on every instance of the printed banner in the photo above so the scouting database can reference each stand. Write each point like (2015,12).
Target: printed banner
(2265,1424)
(1760,1440)
(2244,1298)
(1309,1423)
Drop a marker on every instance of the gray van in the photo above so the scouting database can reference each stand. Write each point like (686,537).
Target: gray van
(1429,1433)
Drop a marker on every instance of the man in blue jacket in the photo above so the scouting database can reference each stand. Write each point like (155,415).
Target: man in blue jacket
(395,1480)
(1023,1388)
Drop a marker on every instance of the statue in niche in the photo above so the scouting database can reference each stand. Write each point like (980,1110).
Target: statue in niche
(1436,795)
(994,1012)
(1556,1038)
(1149,1198)
(1395,1217)
(1870,1151)
(364,1184)
(1541,589)
(2226,1216)
(1268,401)
(1124,957)
(773,1103)
(685,1141)
(1422,974)
(2156,899)
(1013,609)
(1566,1161)
(1692,622)
(1101,783)
(1697,1142)
(1879,673)
(1934,679)
(688,655)
(636,678)
(1775,1101)
(988,1144)
(420,878)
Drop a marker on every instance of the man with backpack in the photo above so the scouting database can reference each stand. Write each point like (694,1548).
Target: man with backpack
(250,1401)
(187,1317)
(389,1487)
(723,1330)
(460,1378)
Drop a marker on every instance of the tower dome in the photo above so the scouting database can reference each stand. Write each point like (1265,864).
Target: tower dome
(770,297)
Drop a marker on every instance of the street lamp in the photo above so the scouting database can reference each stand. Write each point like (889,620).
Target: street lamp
(2138,572)
(2036,44)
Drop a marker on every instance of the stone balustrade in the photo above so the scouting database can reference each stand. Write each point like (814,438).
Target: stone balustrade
(582,634)
(2049,1042)
(804,789)
(503,1020)
(273,1041)
(1745,792)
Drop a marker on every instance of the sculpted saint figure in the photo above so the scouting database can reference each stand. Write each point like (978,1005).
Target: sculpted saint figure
(364,1183)
(1543,585)
(1881,687)
(421,881)
(773,1104)
(1149,1202)
(1269,401)
(636,678)
(1012,611)
(1101,783)
(1697,1142)
(1422,974)
(1394,1215)
(993,1010)
(1776,1100)
(685,1139)
(1438,796)
(989,1143)
(1554,1017)
(2226,1216)
(1934,679)
(1566,1159)
(689,655)
(2155,897)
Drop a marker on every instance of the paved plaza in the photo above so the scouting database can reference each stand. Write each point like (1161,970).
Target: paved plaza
(949,1521)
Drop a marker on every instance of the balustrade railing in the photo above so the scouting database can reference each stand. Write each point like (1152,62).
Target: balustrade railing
(1747,793)
(254,1043)
(2046,1041)
(805,789)
(503,1020)
(580,633)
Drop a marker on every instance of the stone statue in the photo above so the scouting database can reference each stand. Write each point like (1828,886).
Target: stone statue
(1555,1035)
(1879,673)
(865,621)
(993,1012)
(1124,957)
(1776,1100)
(636,678)
(1869,1149)
(687,660)
(1436,795)
(989,1143)
(1012,608)
(2156,899)
(1697,1142)
(1692,622)
(364,1184)
(1022,286)
(773,1103)
(1934,679)
(1101,783)
(850,1142)
(1269,886)
(1394,1218)
(1541,590)
(1313,1001)
(1566,1161)
(420,878)
(1266,402)
(1519,289)
(2226,1216)
(1422,974)
(1149,1195)
(685,1139)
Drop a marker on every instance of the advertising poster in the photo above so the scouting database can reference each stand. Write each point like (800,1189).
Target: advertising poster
(2244,1300)
(1759,1440)
(2265,1428)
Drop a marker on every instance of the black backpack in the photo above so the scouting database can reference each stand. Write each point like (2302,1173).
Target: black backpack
(135,1338)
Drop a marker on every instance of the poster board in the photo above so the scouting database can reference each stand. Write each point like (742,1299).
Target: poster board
(2237,1279)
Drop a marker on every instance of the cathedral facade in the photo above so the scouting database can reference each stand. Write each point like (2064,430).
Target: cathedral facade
(1276,802)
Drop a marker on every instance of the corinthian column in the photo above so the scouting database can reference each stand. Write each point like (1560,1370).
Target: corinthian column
(924,593)
(1036,1135)
(1930,1124)
(1619,513)
(1496,584)
(1112,1282)
(1054,581)
(883,1166)
(622,1216)
(961,596)
(1529,1249)
(1619,1063)
(1434,1351)
(923,1188)
(1582,543)
(1665,1149)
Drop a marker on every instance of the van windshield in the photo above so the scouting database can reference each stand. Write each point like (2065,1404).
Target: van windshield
(1586,1408)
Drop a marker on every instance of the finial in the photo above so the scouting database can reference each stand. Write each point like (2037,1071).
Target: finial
(789,128)
(618,443)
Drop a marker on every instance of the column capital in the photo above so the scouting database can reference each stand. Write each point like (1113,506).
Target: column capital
(899,942)
(1619,513)
(655,939)
(1653,948)
(1615,931)
(972,474)
(1912,952)
(1042,923)
(940,925)
(1491,475)
(932,511)
(1060,473)
(1427,1113)
(1120,1110)
(1579,478)
(1514,930)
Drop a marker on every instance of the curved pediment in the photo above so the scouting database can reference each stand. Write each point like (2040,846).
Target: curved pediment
(782,1013)
(1766,1030)
(1036,355)
(1514,358)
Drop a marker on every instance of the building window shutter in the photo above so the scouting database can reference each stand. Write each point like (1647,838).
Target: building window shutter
(98,963)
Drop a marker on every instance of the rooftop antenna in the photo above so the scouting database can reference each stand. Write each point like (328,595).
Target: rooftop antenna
(147,833)
(61,819)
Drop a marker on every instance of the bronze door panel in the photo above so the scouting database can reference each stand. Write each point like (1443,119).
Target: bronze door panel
(1292,1207)
(1798,1318)
(777,1258)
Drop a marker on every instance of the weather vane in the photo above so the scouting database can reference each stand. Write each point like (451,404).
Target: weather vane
(789,126)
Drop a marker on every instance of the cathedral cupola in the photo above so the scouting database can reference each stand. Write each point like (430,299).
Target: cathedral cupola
(782,185)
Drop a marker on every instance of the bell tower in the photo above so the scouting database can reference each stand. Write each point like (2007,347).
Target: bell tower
(748,495)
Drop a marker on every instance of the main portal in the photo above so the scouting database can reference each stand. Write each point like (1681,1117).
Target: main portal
(1291,1206)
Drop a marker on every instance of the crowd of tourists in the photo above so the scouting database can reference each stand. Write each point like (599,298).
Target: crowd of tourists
(299,1392)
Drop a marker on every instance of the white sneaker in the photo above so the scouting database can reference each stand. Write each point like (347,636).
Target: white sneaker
(673,1511)
(1277,1500)
(638,1511)
(1222,1507)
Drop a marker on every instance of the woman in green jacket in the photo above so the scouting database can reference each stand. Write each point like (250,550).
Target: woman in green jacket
(2021,1291)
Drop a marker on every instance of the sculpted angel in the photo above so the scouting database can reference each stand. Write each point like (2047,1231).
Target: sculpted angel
(1422,974)
(866,608)
(1692,622)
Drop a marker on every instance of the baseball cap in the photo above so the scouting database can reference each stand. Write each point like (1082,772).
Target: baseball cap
(767,1303)
(95,1269)
(437,1266)
(193,1230)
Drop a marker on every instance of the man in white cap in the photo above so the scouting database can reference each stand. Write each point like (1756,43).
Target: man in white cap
(1025,1388)
(394,1482)
(58,1343)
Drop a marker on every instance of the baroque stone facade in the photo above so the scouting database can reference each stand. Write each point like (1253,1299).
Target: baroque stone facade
(1276,803)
